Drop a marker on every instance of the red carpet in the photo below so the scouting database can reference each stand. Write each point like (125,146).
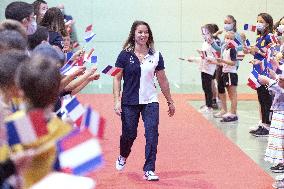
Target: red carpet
(192,154)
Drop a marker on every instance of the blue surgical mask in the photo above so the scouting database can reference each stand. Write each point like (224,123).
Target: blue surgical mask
(228,27)
(260,27)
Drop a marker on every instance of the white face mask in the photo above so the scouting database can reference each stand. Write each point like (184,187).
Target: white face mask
(228,27)
(260,27)
(32,27)
(280,28)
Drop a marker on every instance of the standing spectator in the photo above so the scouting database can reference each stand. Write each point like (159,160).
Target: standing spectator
(53,20)
(24,13)
(40,8)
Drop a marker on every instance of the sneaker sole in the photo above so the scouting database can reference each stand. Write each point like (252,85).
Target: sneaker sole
(259,135)
(277,171)
(145,178)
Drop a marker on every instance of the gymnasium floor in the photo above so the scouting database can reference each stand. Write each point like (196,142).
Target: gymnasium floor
(193,151)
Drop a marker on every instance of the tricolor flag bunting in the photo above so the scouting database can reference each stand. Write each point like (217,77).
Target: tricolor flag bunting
(93,122)
(110,70)
(75,111)
(249,27)
(89,34)
(202,54)
(26,128)
(253,80)
(79,153)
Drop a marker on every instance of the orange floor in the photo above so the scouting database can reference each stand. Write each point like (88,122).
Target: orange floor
(192,154)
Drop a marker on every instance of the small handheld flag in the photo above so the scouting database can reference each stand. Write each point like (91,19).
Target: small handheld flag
(93,122)
(110,70)
(89,35)
(79,153)
(253,80)
(26,128)
(75,111)
(249,27)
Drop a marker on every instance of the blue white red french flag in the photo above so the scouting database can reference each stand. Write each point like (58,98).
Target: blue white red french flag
(253,80)
(249,27)
(26,128)
(67,67)
(110,70)
(79,152)
(89,34)
(93,122)
(75,111)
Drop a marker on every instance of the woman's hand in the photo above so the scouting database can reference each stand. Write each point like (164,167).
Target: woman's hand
(117,108)
(172,109)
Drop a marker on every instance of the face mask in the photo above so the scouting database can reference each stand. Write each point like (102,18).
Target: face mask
(32,27)
(280,28)
(228,27)
(260,27)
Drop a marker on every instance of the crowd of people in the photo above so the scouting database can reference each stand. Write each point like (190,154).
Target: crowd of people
(35,44)
(219,62)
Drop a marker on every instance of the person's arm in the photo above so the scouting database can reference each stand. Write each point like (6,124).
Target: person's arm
(194,60)
(92,77)
(116,92)
(165,88)
(239,47)
(79,80)
(216,46)
(68,78)
(229,62)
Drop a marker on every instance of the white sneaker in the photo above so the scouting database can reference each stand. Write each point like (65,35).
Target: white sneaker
(150,176)
(120,163)
(228,114)
(206,110)
(219,114)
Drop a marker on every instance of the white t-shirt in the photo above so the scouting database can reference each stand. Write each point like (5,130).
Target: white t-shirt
(204,65)
(227,55)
